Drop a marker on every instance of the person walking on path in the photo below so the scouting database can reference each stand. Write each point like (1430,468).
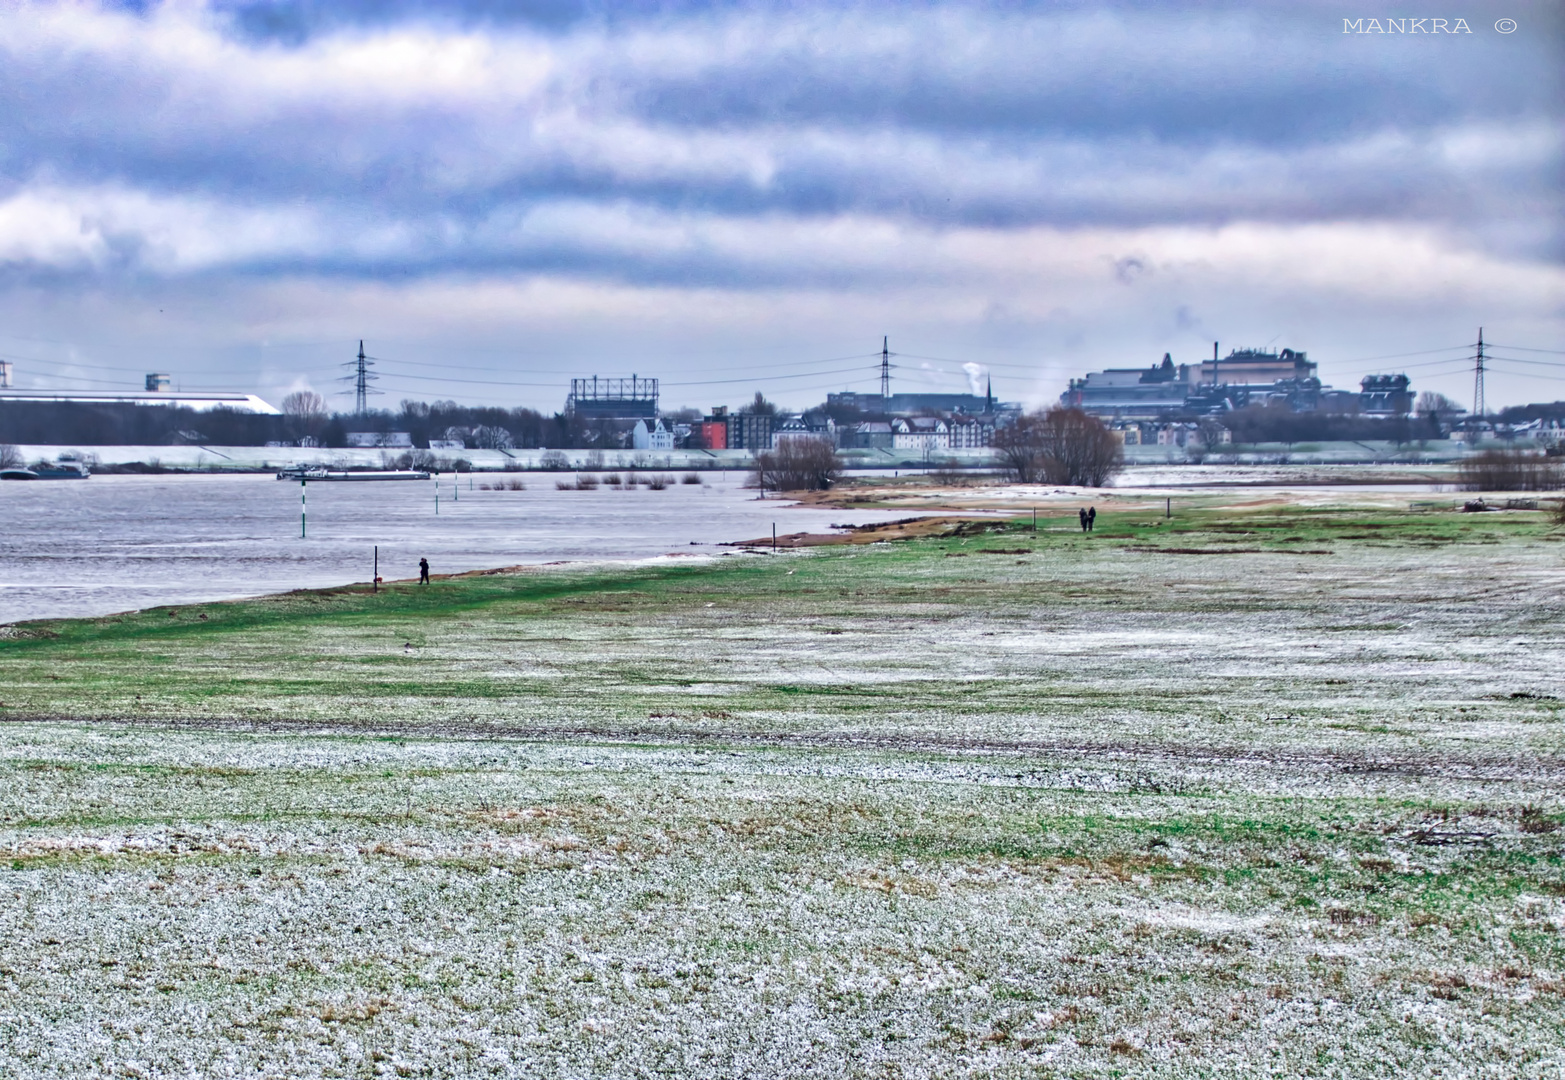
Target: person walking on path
(1083,515)
(423,571)
(1092,517)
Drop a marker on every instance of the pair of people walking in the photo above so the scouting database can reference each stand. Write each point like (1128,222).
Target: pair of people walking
(1088,516)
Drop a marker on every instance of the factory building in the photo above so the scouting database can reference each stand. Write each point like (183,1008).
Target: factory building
(1385,395)
(199,400)
(595,398)
(1133,393)
(1244,377)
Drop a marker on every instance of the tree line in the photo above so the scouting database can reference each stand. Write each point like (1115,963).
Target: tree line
(72,423)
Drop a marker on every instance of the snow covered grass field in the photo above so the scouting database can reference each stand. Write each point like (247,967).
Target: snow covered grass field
(1273,792)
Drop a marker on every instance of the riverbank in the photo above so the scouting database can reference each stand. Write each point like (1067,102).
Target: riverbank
(1276,787)
(195,458)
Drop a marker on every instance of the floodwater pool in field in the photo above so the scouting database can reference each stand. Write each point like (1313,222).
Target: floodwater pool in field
(116,543)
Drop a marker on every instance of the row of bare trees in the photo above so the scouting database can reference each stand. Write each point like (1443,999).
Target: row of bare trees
(1511,470)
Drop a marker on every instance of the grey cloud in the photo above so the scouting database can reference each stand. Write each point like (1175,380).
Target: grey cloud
(934,115)
(297,21)
(1128,268)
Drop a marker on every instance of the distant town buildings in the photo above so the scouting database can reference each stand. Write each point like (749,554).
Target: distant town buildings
(712,432)
(1165,403)
(920,434)
(749,430)
(797,427)
(912,404)
(971,432)
(656,437)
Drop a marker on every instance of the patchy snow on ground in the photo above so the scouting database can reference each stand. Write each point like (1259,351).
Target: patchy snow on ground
(985,806)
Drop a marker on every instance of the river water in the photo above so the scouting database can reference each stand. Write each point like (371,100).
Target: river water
(116,543)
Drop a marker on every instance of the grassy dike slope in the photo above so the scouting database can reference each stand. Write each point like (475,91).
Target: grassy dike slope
(1273,792)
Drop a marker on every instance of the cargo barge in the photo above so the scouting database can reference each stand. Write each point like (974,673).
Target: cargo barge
(60,470)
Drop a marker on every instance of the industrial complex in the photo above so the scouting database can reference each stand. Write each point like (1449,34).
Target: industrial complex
(1243,378)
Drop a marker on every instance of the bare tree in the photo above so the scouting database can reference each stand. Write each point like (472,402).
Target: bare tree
(1061,446)
(951,473)
(304,403)
(1212,432)
(1510,470)
(1436,405)
(1021,450)
(10,456)
(486,437)
(760,406)
(798,464)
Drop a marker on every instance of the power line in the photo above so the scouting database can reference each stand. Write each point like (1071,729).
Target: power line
(1398,356)
(1527,374)
(768,378)
(1555,364)
(399,377)
(395,376)
(577,370)
(1462,360)
(80,379)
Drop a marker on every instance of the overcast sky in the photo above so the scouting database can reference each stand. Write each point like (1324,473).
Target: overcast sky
(497,196)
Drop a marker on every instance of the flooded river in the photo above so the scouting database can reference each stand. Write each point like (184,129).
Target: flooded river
(114,543)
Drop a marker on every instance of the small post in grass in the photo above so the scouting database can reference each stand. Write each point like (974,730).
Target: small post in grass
(1035,519)
(1168,507)
(302,484)
(774,537)
(375,574)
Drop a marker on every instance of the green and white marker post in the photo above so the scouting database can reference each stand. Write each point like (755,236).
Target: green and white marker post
(302,485)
